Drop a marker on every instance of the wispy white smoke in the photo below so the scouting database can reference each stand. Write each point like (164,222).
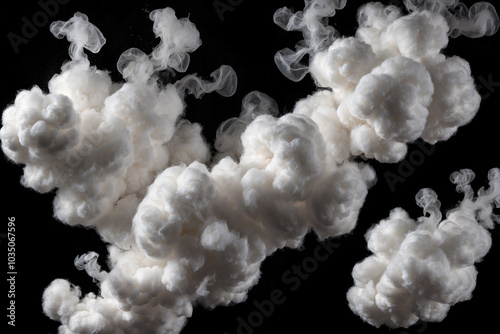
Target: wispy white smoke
(479,20)
(318,35)
(88,262)
(181,231)
(421,268)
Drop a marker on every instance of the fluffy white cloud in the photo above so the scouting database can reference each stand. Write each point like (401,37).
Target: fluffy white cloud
(181,231)
(420,268)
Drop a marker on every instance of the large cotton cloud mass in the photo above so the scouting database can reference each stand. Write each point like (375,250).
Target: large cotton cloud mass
(392,85)
(183,227)
(419,268)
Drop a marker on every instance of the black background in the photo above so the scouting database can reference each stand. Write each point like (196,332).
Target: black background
(246,39)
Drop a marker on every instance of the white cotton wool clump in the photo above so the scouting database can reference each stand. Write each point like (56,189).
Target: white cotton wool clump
(391,84)
(180,191)
(38,126)
(373,20)
(181,233)
(403,90)
(191,237)
(217,236)
(455,100)
(418,35)
(346,61)
(337,199)
(420,269)
(365,142)
(321,107)
(64,303)
(86,87)
(228,136)
(289,149)
(187,144)
(283,158)
(283,162)
(401,86)
(102,143)
(217,225)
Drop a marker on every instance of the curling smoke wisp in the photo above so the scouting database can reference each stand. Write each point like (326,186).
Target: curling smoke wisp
(186,228)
